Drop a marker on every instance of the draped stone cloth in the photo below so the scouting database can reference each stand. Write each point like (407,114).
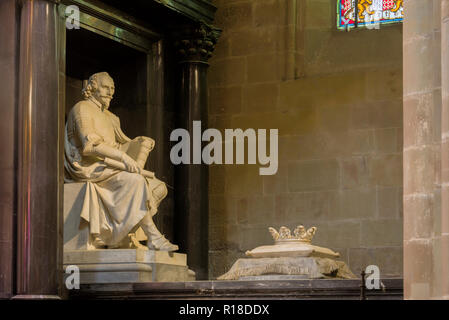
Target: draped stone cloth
(115,201)
(311,267)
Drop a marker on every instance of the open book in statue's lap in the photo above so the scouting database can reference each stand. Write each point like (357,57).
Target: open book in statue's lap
(120,195)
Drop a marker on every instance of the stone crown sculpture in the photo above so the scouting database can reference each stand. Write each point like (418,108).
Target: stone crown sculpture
(290,255)
(299,234)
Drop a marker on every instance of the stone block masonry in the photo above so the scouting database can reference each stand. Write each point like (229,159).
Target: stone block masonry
(336,98)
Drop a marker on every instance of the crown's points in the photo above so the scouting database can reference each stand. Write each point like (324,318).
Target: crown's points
(299,234)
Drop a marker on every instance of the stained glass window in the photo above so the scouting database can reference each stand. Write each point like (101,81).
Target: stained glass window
(369,13)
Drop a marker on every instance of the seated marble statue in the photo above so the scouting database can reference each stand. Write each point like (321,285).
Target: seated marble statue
(120,195)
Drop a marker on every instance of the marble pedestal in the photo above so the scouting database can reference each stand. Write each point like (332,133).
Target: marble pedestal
(291,257)
(128,266)
(99,266)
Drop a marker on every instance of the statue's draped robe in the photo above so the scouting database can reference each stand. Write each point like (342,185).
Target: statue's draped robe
(115,201)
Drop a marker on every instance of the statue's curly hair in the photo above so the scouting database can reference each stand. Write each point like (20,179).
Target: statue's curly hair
(92,84)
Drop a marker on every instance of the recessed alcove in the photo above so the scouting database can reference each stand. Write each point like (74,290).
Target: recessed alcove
(139,89)
(88,53)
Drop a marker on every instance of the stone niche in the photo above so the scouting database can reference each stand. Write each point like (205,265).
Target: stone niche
(88,52)
(46,63)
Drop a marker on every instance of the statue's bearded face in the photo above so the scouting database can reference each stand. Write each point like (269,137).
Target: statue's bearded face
(105,91)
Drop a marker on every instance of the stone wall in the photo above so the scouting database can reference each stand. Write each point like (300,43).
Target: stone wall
(336,98)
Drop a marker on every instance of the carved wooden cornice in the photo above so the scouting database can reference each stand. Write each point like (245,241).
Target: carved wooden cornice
(194,10)
(194,38)
(199,10)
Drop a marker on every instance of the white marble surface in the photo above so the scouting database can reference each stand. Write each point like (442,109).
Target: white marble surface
(124,256)
(120,196)
(291,249)
(76,231)
(129,266)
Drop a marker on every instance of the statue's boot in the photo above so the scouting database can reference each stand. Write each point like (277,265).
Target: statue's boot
(98,243)
(156,241)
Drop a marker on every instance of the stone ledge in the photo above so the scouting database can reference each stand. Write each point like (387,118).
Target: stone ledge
(128,266)
(124,256)
(314,289)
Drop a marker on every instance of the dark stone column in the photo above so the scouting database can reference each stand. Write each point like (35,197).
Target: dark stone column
(160,124)
(8,129)
(38,237)
(194,47)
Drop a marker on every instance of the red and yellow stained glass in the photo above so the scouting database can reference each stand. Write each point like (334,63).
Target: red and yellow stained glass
(369,12)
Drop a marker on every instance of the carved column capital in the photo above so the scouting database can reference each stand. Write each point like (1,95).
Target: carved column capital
(196,43)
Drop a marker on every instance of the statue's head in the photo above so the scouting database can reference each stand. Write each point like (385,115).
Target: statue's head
(101,87)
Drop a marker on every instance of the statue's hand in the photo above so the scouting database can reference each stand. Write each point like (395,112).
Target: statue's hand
(130,163)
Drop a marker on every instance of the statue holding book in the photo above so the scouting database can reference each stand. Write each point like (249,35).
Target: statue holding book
(121,196)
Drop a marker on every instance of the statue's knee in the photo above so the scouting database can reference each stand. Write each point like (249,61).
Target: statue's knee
(132,181)
(135,178)
(160,192)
